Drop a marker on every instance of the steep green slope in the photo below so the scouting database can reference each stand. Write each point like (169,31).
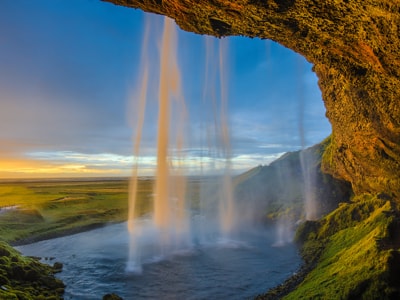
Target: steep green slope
(352,249)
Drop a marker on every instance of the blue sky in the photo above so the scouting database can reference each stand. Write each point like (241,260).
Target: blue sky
(69,70)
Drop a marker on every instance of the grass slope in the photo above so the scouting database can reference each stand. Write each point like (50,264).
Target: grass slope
(355,253)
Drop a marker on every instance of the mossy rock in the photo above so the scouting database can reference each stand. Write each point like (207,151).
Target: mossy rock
(26,278)
(307,231)
(111,297)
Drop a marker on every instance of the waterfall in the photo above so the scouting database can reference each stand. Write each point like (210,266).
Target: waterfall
(171,226)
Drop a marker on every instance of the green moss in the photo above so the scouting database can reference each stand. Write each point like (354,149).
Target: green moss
(26,278)
(346,246)
(328,161)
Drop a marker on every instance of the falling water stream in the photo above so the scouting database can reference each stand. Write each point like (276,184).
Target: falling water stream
(171,207)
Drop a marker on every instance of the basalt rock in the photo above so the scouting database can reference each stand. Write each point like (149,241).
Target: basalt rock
(354,46)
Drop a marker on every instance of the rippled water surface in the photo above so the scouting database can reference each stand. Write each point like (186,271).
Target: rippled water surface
(237,268)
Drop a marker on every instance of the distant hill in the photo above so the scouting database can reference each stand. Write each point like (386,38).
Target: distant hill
(281,187)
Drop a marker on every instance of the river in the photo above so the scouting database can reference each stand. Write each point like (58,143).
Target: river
(237,268)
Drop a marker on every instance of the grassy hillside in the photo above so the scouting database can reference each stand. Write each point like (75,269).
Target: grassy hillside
(355,252)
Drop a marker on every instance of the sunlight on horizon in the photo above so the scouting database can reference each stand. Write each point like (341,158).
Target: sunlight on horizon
(69,164)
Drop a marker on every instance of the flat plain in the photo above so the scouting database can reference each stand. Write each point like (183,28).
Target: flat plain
(42,209)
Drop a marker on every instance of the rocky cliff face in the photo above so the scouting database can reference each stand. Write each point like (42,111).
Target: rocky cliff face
(354,46)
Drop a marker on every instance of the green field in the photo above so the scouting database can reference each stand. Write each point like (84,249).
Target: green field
(43,209)
(37,210)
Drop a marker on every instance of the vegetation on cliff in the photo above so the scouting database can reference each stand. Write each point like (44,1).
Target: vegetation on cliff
(349,254)
(352,251)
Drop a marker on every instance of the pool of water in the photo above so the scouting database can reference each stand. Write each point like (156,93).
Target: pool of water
(239,267)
